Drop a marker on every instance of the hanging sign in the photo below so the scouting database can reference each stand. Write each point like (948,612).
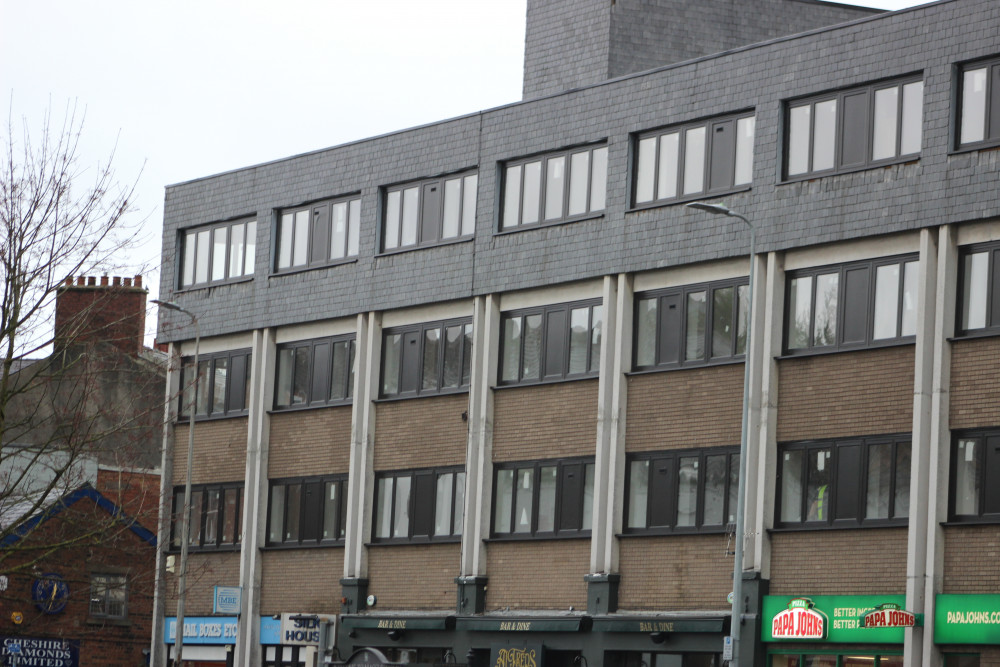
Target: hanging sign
(799,621)
(889,615)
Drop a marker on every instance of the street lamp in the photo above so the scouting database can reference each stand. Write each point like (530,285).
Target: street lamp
(737,618)
(186,511)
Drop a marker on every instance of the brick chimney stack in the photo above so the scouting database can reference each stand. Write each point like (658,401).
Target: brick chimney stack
(88,312)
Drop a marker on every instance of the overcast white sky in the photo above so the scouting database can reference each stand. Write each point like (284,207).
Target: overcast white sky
(189,89)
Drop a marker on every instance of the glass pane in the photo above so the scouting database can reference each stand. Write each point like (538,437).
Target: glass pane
(230,508)
(454,338)
(598,179)
(392,207)
(547,499)
(390,370)
(908,326)
(824,135)
(638,493)
(190,240)
(194,527)
(880,466)
(411,200)
(211,516)
(293,503)
(467,355)
(219,386)
(820,661)
(300,383)
(694,347)
(645,170)
(798,139)
(687,490)
(512,197)
(452,204)
(742,318)
(330,513)
(459,509)
(283,393)
(350,369)
(504,496)
(301,242)
(338,239)
(913,118)
(825,328)
(645,335)
(818,485)
(401,520)
(579,340)
(532,192)
(967,478)
(277,521)
(469,189)
(220,242)
(251,247)
(555,178)
(338,379)
(522,508)
(791,486)
(201,404)
(511,349)
(886,301)
(442,504)
(799,305)
(353,225)
(666,181)
(901,498)
(715,490)
(974,105)
(744,150)
(722,321)
(201,264)
(532,347)
(694,160)
(884,127)
(734,487)
(432,341)
(974,277)
(236,251)
(578,179)
(588,497)
(596,329)
(384,504)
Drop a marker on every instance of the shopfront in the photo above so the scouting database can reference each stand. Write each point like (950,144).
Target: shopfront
(208,640)
(967,629)
(296,639)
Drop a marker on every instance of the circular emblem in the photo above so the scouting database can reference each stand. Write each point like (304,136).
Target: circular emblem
(17,617)
(372,600)
(50,593)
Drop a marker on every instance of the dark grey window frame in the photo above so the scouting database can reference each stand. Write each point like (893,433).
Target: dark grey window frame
(325,371)
(311,514)
(407,365)
(856,481)
(843,307)
(566,154)
(429,232)
(319,230)
(104,600)
(560,339)
(669,492)
(663,297)
(839,164)
(249,225)
(991,110)
(991,316)
(236,400)
(421,507)
(201,516)
(988,469)
(561,514)
(711,161)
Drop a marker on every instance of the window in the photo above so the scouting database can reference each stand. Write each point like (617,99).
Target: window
(978,288)
(692,325)
(318,234)
(980,105)
(420,505)
(845,482)
(855,305)
(701,158)
(315,372)
(307,511)
(856,658)
(431,211)
(428,358)
(108,596)
(551,343)
(223,384)
(682,490)
(543,498)
(218,253)
(553,188)
(975,471)
(215,516)
(854,129)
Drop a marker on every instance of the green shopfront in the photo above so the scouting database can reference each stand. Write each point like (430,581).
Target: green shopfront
(967,629)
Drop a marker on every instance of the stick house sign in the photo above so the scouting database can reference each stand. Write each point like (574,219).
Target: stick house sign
(889,615)
(799,621)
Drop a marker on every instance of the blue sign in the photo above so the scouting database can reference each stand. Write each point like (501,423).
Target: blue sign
(40,652)
(227,600)
(270,630)
(203,629)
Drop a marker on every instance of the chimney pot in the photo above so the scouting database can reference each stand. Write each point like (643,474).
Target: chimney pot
(117,281)
(128,282)
(81,280)
(68,281)
(104,281)
(91,281)
(138,281)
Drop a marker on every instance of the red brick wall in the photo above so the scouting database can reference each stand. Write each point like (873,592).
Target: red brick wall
(675,572)
(413,576)
(545,421)
(301,581)
(137,493)
(970,559)
(421,432)
(114,314)
(975,383)
(839,562)
(220,451)
(537,574)
(310,442)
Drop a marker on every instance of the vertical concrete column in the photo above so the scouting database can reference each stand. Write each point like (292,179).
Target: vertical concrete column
(939,442)
(262,368)
(367,362)
(157,648)
(479,455)
(762,451)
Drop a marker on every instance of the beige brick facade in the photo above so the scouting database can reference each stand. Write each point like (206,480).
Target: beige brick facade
(971,554)
(220,451)
(975,383)
(675,572)
(421,432)
(310,442)
(205,571)
(301,580)
(413,576)
(545,421)
(540,574)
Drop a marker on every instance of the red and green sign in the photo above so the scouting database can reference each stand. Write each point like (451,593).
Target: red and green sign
(796,618)
(799,621)
(967,619)
(889,615)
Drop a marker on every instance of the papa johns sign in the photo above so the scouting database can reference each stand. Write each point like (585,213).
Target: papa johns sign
(799,621)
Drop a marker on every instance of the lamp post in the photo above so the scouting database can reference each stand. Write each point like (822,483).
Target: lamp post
(186,511)
(737,617)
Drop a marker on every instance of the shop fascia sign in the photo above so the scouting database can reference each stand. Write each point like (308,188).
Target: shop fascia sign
(889,615)
(844,617)
(800,620)
(967,619)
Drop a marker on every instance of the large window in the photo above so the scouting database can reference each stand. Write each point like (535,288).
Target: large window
(223,384)
(684,490)
(108,596)
(700,158)
(318,234)
(218,253)
(554,188)
(215,516)
(315,372)
(975,476)
(979,289)
(551,343)
(980,105)
(420,505)
(307,511)
(430,211)
(854,129)
(691,325)
(845,483)
(855,305)
(429,358)
(543,498)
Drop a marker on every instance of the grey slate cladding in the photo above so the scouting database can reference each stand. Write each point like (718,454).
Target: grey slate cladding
(939,188)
